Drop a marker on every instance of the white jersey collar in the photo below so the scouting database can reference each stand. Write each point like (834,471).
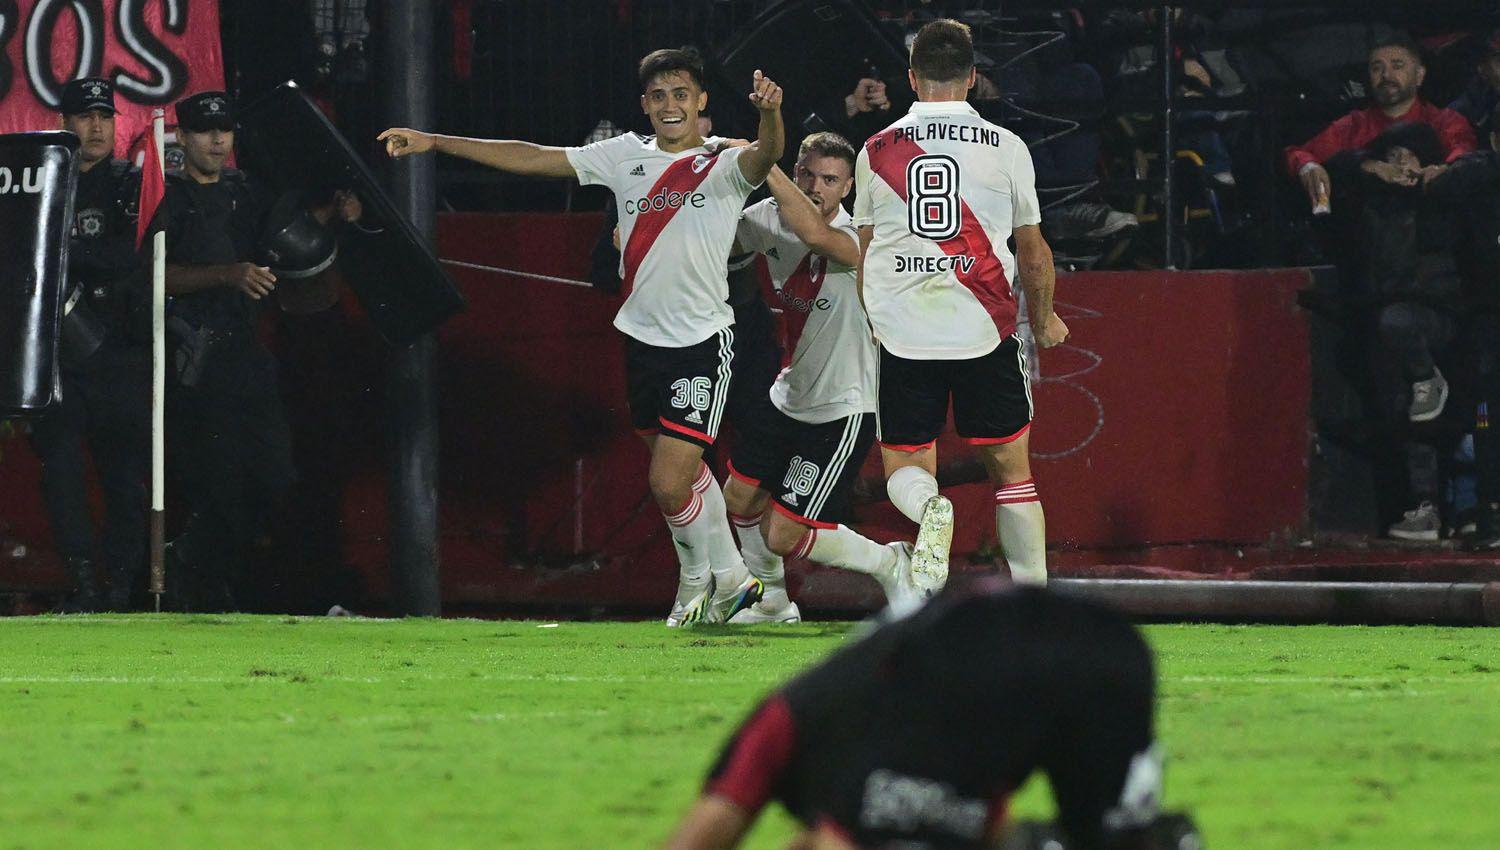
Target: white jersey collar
(941,107)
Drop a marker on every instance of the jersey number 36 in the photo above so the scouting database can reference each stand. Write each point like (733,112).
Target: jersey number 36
(933,208)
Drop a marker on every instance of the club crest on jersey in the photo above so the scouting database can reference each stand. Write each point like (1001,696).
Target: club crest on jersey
(701,162)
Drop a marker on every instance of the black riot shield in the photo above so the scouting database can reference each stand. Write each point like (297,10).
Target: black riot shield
(38,177)
(287,143)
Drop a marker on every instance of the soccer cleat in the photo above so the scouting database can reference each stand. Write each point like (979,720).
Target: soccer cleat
(759,613)
(1428,398)
(901,593)
(723,607)
(929,557)
(692,604)
(1419,523)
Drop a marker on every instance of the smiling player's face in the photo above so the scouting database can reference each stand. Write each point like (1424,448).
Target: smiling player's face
(672,101)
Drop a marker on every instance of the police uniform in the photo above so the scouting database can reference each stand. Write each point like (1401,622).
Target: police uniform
(105,362)
(917,736)
(228,437)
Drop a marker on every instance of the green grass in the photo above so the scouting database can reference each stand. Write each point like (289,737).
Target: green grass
(246,732)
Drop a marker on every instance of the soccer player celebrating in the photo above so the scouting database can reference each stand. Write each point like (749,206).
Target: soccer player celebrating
(824,399)
(937,195)
(680,198)
(903,740)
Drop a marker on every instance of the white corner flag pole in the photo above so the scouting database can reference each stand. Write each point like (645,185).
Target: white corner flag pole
(158,381)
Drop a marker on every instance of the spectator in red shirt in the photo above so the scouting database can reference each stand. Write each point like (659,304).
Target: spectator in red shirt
(1396,73)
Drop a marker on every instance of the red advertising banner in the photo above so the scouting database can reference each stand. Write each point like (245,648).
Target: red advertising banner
(156,52)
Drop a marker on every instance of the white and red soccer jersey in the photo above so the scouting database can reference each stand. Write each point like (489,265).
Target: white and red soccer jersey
(943,189)
(678,213)
(834,363)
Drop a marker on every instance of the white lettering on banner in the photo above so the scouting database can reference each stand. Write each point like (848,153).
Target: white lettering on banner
(30,182)
(166,74)
(38,58)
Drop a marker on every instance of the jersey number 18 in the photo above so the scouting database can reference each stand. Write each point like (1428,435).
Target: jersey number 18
(933,209)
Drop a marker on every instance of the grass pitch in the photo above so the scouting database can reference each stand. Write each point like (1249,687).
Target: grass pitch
(249,732)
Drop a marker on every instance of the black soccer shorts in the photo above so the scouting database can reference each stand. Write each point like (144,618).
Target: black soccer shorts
(809,469)
(680,392)
(991,398)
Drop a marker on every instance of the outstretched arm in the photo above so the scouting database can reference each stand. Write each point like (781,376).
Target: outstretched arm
(806,220)
(503,154)
(714,823)
(755,163)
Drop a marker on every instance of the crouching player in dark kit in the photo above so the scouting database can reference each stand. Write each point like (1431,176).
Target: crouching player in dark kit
(898,741)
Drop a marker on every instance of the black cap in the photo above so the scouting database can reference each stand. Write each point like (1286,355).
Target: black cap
(80,96)
(208,110)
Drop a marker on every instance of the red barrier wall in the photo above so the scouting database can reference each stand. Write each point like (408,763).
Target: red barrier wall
(1177,413)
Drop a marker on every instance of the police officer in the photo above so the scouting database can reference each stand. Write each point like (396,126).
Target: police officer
(227,436)
(105,362)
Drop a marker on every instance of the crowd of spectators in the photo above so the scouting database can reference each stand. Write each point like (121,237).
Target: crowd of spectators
(1408,190)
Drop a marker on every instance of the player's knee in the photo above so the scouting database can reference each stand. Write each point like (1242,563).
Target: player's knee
(1007,463)
(670,490)
(783,538)
(739,497)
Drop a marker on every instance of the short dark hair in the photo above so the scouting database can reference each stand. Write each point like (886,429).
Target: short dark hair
(670,59)
(943,51)
(828,144)
(1402,41)
(1420,139)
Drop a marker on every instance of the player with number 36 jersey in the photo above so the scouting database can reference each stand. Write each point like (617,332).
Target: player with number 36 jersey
(939,193)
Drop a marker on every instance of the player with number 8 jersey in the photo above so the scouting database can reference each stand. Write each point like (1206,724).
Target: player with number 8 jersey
(938,194)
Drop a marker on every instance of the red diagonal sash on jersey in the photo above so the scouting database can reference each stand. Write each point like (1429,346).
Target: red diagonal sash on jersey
(769,293)
(799,296)
(986,278)
(682,176)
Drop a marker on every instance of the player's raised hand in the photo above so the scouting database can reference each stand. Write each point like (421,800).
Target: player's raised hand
(764,93)
(401,141)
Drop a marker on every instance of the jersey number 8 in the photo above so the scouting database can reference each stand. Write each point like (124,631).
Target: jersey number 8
(933,209)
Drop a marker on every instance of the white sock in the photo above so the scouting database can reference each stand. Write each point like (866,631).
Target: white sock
(723,555)
(1022,529)
(688,533)
(844,547)
(909,488)
(759,559)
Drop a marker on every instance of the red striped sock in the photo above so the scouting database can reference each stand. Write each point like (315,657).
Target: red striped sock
(805,544)
(689,512)
(705,477)
(743,522)
(1015,494)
